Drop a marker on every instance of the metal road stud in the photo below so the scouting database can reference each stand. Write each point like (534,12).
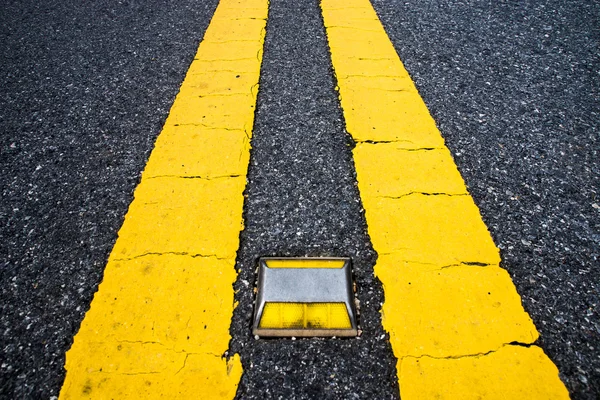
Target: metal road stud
(304,297)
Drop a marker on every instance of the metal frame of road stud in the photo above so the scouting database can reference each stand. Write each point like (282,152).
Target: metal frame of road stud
(304,297)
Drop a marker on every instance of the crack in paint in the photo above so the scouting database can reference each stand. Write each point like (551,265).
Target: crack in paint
(423,149)
(473,355)
(381,141)
(466,264)
(176,253)
(206,178)
(459,264)
(422,194)
(211,127)
(254,89)
(184,363)
(476,264)
(375,142)
(187,355)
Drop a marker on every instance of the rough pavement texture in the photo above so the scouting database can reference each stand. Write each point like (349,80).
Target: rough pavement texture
(302,200)
(85,88)
(514,88)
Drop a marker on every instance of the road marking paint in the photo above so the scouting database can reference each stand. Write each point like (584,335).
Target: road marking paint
(511,372)
(159,324)
(454,316)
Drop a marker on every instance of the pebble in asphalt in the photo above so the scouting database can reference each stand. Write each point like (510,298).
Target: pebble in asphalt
(302,200)
(514,88)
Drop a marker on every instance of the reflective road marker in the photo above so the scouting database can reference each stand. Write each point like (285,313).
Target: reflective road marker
(304,297)
(451,311)
(159,324)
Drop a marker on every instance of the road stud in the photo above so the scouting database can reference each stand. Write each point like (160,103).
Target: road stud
(303,297)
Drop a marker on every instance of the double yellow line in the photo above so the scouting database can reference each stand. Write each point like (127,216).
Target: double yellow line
(159,324)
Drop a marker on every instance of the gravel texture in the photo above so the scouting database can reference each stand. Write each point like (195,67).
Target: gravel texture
(514,88)
(302,200)
(84,89)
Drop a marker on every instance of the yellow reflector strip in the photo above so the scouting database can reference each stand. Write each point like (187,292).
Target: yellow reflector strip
(305,316)
(325,263)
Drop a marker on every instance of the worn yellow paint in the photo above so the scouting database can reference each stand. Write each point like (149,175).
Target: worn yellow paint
(168,215)
(511,372)
(407,172)
(430,229)
(475,301)
(158,326)
(446,298)
(153,322)
(187,151)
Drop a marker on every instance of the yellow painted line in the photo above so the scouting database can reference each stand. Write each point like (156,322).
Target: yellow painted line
(159,324)
(451,311)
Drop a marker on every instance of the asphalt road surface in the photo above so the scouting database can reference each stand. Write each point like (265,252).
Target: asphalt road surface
(86,87)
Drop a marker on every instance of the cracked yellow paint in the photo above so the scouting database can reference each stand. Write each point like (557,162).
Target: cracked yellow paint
(431,171)
(429,229)
(474,300)
(445,295)
(158,326)
(195,376)
(511,372)
(187,151)
(212,111)
(179,302)
(183,215)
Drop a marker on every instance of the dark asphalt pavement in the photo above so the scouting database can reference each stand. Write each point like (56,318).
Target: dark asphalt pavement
(85,88)
(302,200)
